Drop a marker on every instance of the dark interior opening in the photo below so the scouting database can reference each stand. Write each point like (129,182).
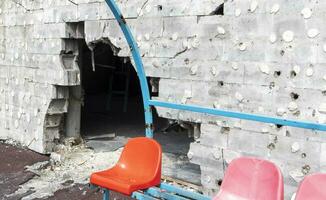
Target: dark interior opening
(109,118)
(112,96)
(219,10)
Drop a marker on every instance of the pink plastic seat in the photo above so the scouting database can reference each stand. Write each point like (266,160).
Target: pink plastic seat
(312,187)
(251,179)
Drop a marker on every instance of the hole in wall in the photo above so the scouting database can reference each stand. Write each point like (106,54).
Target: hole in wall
(109,118)
(112,103)
(271,85)
(282,52)
(219,182)
(294,96)
(277,74)
(293,74)
(219,10)
(287,133)
(324,92)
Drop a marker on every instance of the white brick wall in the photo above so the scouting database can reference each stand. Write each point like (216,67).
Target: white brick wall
(231,62)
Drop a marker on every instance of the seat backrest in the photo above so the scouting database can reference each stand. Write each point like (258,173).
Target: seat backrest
(312,187)
(142,158)
(252,179)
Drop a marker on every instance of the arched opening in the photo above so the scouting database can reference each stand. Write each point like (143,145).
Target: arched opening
(112,103)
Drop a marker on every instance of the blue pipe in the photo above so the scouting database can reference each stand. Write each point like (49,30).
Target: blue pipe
(161,194)
(106,194)
(139,65)
(239,115)
(142,196)
(191,195)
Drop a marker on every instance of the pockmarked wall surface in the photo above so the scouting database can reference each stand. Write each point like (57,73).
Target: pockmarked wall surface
(264,57)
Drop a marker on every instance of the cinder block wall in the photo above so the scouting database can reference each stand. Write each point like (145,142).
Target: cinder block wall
(263,57)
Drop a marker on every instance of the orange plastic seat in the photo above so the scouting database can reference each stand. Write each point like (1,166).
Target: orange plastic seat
(139,167)
(312,187)
(251,179)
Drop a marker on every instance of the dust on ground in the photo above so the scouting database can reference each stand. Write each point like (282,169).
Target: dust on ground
(69,165)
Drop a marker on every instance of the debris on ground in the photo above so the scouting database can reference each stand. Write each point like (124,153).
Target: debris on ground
(69,165)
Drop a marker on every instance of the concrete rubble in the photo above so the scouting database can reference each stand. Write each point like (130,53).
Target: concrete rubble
(68,166)
(250,57)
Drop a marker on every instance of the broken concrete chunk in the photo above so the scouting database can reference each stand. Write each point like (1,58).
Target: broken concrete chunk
(220,30)
(293,106)
(195,43)
(324,77)
(275,8)
(56,157)
(139,38)
(235,66)
(288,36)
(253,5)
(37,166)
(261,109)
(281,111)
(216,154)
(239,97)
(242,46)
(156,64)
(237,12)
(306,13)
(312,33)
(295,147)
(214,71)
(16,56)
(273,38)
(310,71)
(185,44)
(28,117)
(265,130)
(147,37)
(297,69)
(187,95)
(190,155)
(322,108)
(16,124)
(216,105)
(175,36)
(264,69)
(207,179)
(194,70)
(237,124)
(164,44)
